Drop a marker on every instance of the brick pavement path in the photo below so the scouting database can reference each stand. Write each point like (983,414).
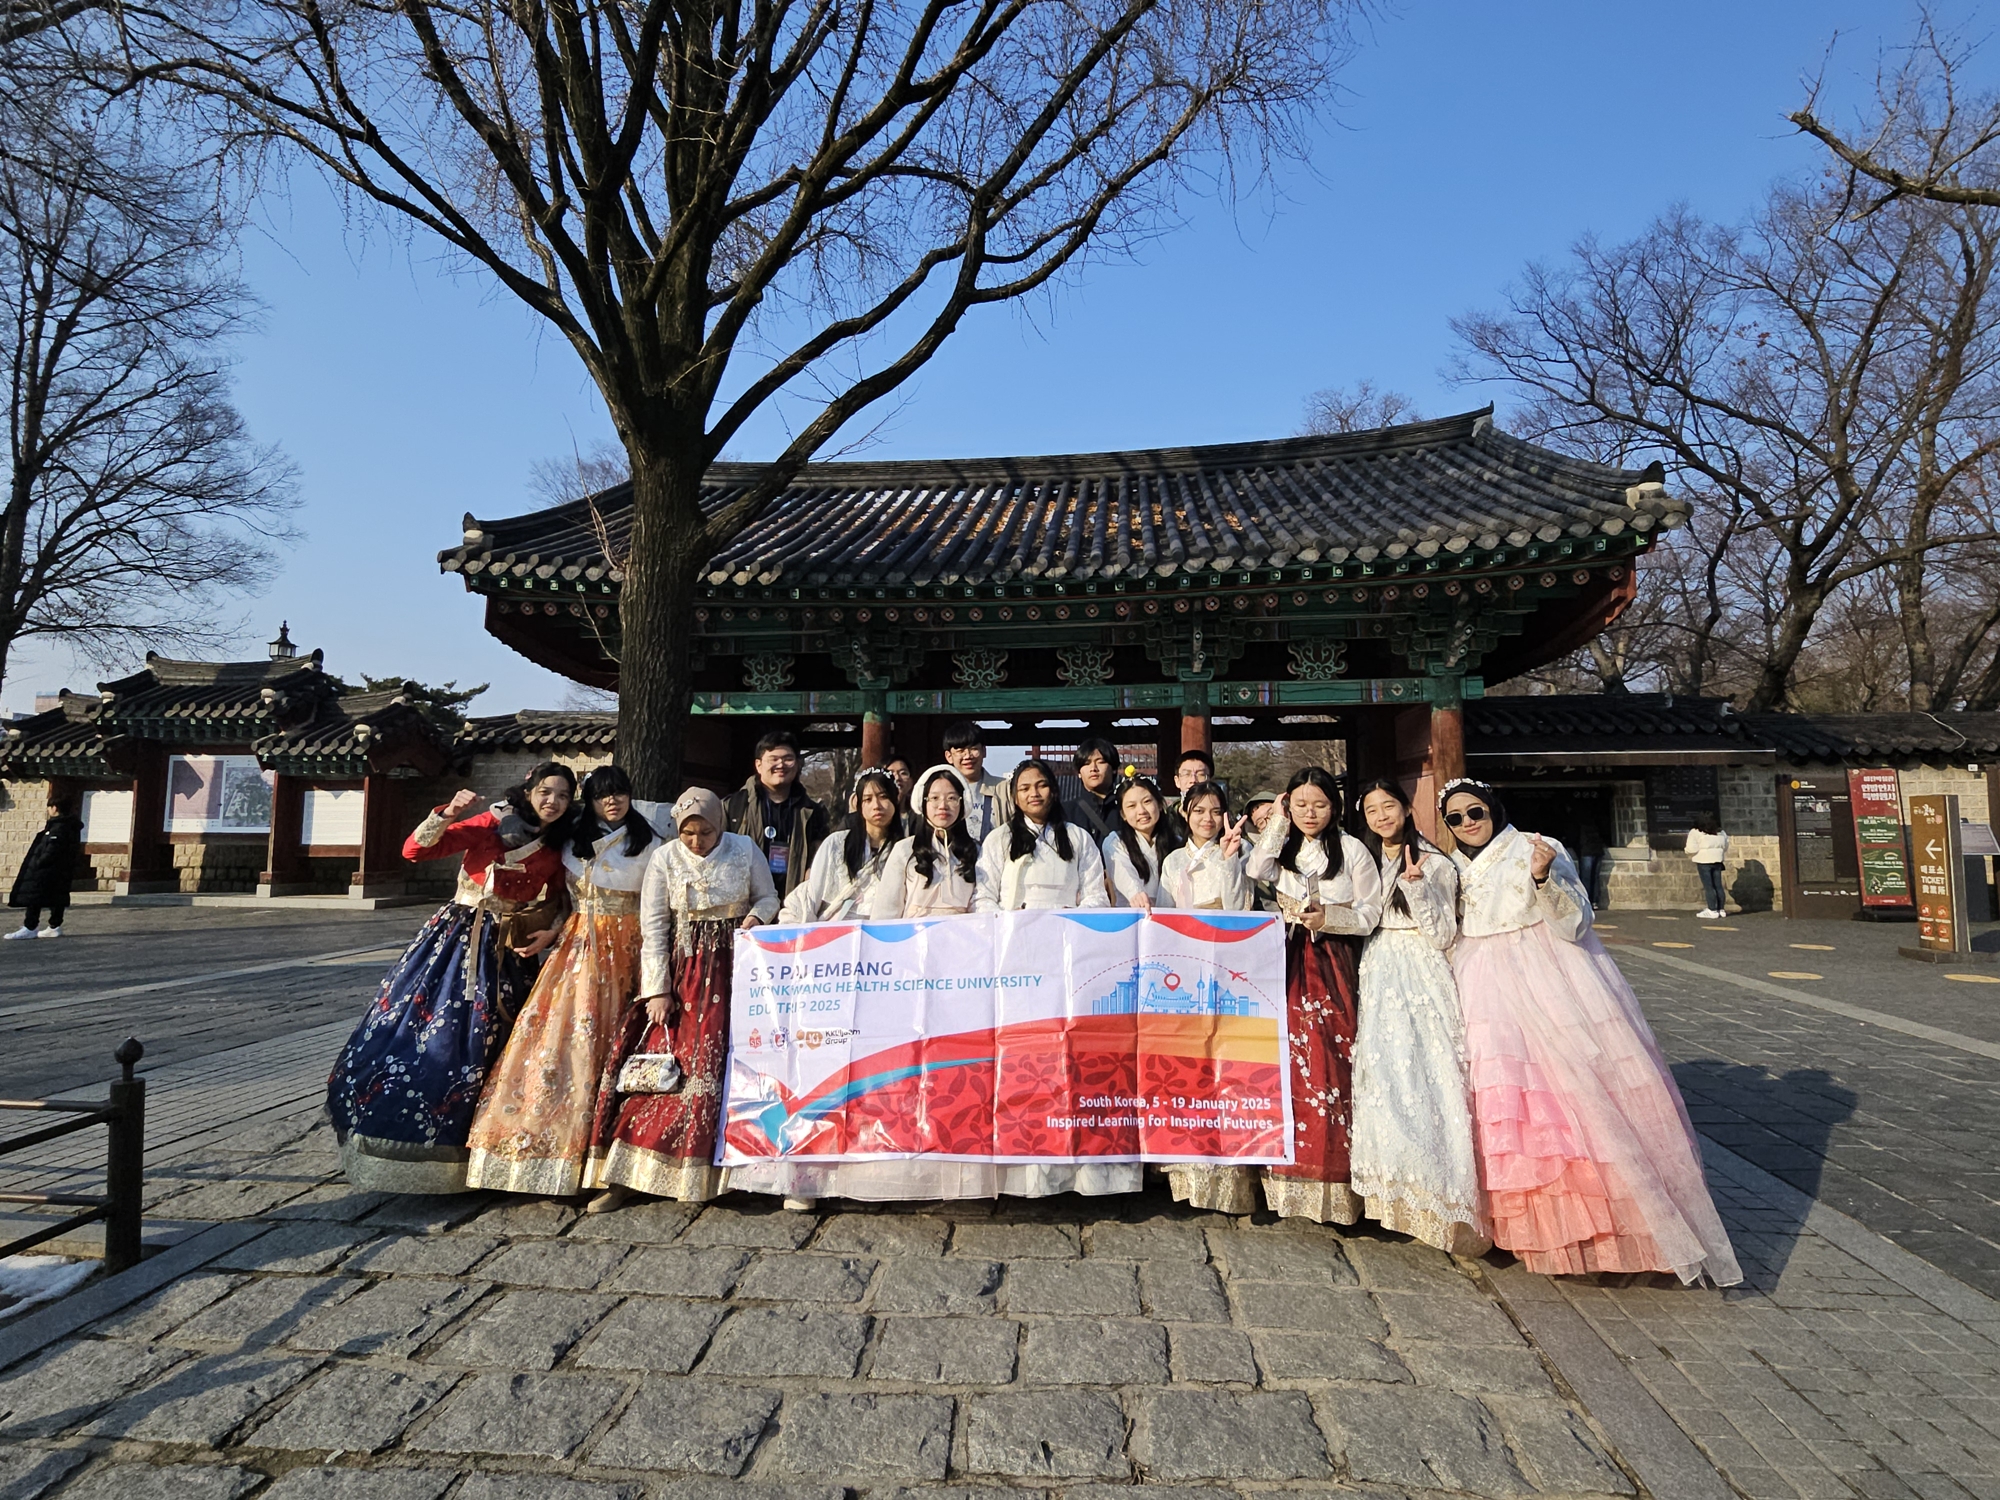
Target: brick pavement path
(324,1341)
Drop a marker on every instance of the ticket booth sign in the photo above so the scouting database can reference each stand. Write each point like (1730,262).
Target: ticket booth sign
(1878,838)
(1940,864)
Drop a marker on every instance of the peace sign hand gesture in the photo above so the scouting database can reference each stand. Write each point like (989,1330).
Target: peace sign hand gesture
(1413,864)
(1232,837)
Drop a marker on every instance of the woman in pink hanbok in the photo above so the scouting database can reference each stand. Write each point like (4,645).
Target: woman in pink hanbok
(1588,1157)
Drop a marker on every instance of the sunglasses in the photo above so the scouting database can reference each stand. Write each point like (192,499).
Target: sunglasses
(1469,815)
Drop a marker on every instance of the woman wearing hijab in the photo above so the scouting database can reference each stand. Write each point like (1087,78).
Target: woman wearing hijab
(850,865)
(935,871)
(531,1131)
(1589,1160)
(1330,892)
(659,1102)
(403,1090)
(1413,1159)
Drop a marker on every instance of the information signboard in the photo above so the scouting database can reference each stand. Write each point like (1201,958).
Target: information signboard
(1675,797)
(1878,837)
(1940,865)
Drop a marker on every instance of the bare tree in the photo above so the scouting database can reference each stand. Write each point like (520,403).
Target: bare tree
(136,498)
(1923,138)
(1826,378)
(1337,409)
(587,471)
(719,204)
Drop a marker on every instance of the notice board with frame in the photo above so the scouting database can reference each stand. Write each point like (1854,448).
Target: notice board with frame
(1822,867)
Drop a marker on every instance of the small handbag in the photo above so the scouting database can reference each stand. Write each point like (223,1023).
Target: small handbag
(649,1073)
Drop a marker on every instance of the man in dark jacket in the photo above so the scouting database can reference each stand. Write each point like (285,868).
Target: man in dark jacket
(46,873)
(1091,801)
(773,811)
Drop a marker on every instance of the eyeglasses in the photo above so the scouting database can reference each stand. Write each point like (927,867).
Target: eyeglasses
(1469,815)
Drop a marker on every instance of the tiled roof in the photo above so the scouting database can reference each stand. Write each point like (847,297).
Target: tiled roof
(1421,488)
(1637,725)
(539,729)
(193,700)
(359,734)
(69,740)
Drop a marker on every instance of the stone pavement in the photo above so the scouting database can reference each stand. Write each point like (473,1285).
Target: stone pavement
(318,1340)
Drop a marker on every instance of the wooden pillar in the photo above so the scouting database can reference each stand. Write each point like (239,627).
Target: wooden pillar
(149,868)
(877,729)
(1447,743)
(380,871)
(1197,732)
(285,871)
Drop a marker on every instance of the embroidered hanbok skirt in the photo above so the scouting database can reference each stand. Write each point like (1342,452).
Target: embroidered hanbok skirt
(1320,1004)
(531,1131)
(1413,1159)
(664,1144)
(1589,1160)
(402,1092)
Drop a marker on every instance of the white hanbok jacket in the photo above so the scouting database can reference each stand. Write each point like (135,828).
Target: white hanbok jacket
(1126,886)
(1497,891)
(903,893)
(1433,901)
(728,884)
(1352,898)
(1042,878)
(829,893)
(1206,877)
(609,867)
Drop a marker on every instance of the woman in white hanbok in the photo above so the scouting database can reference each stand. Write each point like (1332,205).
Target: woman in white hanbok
(1413,1162)
(1207,871)
(1136,849)
(1034,862)
(851,864)
(934,872)
(847,874)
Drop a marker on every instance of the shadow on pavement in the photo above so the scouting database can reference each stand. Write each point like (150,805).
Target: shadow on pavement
(1782,1123)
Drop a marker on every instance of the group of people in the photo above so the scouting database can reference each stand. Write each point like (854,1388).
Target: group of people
(1468,1066)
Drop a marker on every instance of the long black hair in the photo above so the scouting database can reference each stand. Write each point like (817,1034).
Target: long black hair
(1328,837)
(1200,789)
(522,808)
(1022,842)
(854,848)
(958,840)
(1372,841)
(1128,836)
(609,781)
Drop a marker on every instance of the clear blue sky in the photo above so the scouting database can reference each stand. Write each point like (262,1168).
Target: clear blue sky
(1473,138)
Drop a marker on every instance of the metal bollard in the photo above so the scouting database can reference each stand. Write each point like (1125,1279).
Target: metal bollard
(125,1163)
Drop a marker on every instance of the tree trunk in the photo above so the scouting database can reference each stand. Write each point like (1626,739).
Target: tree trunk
(1916,629)
(1774,677)
(656,615)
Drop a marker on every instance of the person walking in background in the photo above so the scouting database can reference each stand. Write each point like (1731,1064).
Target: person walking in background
(47,871)
(1093,807)
(659,1102)
(1589,851)
(935,871)
(773,811)
(531,1130)
(1588,1157)
(1413,1160)
(989,801)
(403,1089)
(1708,848)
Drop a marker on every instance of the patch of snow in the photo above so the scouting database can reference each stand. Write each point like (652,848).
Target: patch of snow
(27,1281)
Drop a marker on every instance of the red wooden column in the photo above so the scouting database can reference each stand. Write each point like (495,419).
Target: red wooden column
(149,866)
(380,870)
(877,730)
(1197,729)
(1447,742)
(285,870)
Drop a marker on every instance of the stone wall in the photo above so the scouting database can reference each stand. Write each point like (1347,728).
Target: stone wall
(1641,878)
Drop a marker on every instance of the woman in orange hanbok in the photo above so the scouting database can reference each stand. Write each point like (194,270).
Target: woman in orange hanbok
(531,1131)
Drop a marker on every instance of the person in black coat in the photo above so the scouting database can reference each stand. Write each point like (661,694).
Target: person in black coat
(44,880)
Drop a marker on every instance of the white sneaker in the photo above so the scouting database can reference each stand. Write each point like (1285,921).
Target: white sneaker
(18,933)
(1706,914)
(50,932)
(802,1205)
